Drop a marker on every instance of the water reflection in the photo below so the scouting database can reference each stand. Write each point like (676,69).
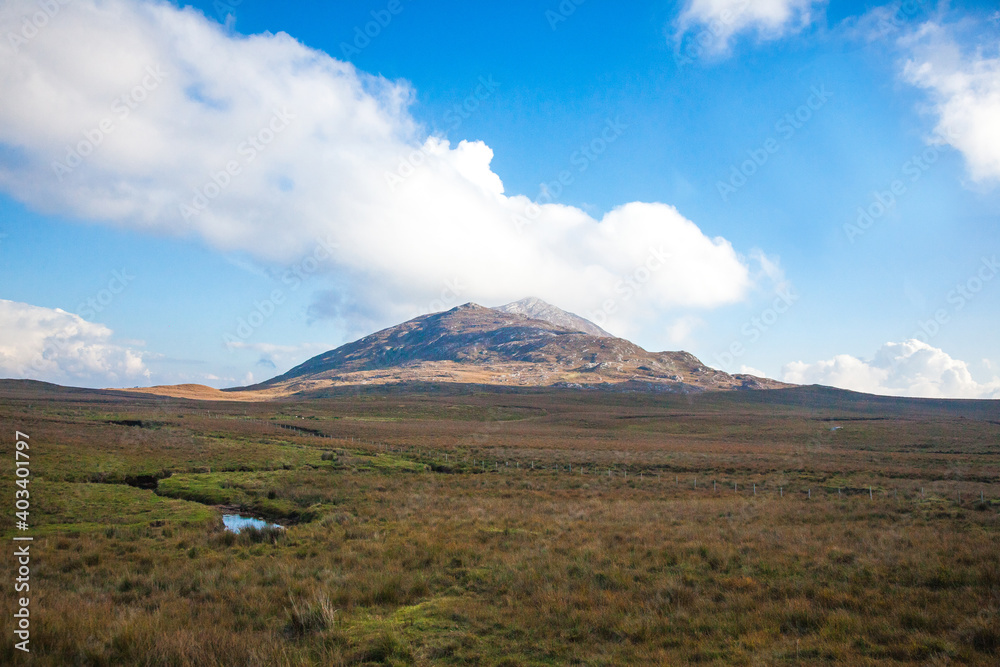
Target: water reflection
(235,523)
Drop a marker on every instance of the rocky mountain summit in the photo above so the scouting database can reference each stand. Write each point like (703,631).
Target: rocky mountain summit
(534,308)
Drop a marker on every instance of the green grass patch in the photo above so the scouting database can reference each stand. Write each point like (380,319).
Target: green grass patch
(389,463)
(61,506)
(250,491)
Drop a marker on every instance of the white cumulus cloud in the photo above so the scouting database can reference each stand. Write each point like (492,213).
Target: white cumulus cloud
(144,115)
(750,370)
(56,346)
(911,368)
(679,331)
(964,91)
(716,22)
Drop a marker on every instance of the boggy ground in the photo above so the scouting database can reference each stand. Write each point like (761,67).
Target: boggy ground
(460,526)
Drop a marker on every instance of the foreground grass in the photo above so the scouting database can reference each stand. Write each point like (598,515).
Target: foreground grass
(72,508)
(403,553)
(413,571)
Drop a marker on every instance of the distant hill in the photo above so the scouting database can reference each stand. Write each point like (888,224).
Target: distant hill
(825,404)
(525,343)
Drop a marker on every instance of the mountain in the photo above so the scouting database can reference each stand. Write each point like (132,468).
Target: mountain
(537,309)
(505,346)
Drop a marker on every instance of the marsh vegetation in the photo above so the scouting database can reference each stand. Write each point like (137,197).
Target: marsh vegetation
(545,527)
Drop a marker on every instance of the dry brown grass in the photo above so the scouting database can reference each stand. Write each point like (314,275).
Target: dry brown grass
(522,566)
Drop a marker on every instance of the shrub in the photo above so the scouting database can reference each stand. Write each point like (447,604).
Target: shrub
(314,616)
(265,535)
(982,633)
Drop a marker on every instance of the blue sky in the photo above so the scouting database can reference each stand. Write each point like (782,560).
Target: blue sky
(646,112)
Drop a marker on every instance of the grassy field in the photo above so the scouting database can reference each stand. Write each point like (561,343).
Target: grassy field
(454,526)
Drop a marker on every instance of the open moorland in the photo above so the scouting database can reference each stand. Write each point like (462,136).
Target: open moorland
(462,525)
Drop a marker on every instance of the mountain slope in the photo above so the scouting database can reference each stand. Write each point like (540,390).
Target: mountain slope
(537,309)
(476,345)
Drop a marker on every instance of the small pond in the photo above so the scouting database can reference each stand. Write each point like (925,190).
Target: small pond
(235,523)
